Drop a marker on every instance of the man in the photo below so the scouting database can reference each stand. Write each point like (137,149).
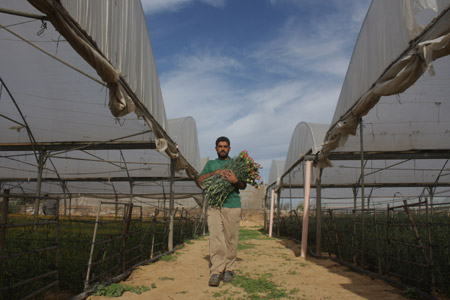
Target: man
(223,222)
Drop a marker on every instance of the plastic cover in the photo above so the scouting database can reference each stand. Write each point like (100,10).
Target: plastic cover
(392,52)
(44,100)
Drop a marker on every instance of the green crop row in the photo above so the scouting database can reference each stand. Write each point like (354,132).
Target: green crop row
(30,251)
(416,255)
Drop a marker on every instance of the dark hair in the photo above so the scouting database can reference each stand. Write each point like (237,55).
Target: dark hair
(222,139)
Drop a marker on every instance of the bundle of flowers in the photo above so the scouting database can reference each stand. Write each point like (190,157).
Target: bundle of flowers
(217,189)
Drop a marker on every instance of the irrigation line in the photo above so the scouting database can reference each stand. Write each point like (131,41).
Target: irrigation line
(28,280)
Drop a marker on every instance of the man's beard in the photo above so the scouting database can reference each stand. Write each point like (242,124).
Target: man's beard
(222,156)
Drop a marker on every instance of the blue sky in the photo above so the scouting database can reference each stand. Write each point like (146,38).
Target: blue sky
(252,69)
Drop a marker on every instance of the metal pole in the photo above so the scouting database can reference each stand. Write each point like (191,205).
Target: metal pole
(319,213)
(271,213)
(171,202)
(431,193)
(307,190)
(355,197)
(362,191)
(39,182)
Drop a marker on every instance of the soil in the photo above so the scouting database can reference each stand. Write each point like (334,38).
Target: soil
(186,276)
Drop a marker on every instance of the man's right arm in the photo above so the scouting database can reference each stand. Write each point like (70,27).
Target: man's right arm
(207,175)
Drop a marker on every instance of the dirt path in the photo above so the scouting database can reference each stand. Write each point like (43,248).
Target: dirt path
(272,266)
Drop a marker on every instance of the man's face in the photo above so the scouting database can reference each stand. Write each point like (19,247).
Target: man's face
(222,149)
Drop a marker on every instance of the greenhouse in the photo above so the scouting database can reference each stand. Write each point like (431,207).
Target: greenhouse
(379,181)
(95,180)
(84,132)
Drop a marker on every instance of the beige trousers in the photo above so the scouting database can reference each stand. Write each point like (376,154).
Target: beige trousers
(223,226)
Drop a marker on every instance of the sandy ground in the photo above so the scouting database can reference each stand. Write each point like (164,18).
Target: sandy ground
(186,277)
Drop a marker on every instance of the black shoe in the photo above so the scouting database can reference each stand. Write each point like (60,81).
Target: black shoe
(228,276)
(214,280)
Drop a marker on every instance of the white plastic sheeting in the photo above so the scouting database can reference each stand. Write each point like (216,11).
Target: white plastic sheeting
(183,131)
(57,97)
(306,138)
(416,119)
(398,41)
(403,108)
(275,172)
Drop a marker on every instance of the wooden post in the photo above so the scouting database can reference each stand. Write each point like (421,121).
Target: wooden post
(290,193)
(278,213)
(171,203)
(204,220)
(430,192)
(388,241)
(336,233)
(306,208)
(430,247)
(319,213)
(39,183)
(70,204)
(377,240)
(271,213)
(94,236)
(265,211)
(126,231)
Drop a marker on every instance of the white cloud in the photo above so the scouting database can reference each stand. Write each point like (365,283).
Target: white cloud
(156,6)
(295,76)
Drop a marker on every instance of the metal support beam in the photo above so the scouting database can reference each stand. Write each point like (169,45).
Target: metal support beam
(308,170)
(41,163)
(171,202)
(72,145)
(362,190)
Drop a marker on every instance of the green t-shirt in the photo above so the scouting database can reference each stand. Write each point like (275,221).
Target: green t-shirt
(233,200)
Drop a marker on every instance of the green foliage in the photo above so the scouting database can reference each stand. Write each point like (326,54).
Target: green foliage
(117,289)
(170,257)
(410,293)
(248,234)
(75,238)
(166,278)
(243,246)
(260,287)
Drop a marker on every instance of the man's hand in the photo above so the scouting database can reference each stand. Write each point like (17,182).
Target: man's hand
(229,175)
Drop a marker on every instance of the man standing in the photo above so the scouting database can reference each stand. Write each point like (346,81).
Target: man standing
(223,222)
